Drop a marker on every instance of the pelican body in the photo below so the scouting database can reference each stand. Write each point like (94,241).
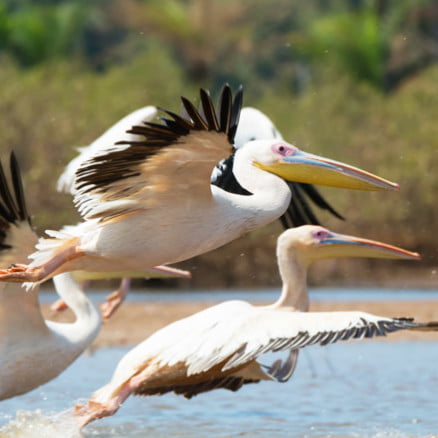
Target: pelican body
(156,201)
(219,346)
(34,351)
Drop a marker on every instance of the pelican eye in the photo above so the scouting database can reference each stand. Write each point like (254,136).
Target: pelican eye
(283,149)
(320,234)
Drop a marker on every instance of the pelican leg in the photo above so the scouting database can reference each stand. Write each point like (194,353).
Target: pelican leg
(25,273)
(115,299)
(94,410)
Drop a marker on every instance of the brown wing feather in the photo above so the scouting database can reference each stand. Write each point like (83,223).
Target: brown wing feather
(174,157)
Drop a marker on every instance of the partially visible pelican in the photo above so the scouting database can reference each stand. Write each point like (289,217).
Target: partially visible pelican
(151,202)
(32,350)
(218,347)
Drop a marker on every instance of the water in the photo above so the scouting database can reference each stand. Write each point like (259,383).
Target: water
(269,295)
(357,389)
(360,389)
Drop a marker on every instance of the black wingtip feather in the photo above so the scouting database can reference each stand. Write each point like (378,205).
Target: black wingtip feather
(17,185)
(105,169)
(12,201)
(300,211)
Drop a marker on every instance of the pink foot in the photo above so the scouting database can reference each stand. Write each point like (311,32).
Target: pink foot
(111,304)
(18,273)
(115,299)
(92,411)
(59,306)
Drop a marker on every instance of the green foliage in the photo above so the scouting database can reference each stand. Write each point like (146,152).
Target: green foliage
(355,41)
(71,68)
(41,32)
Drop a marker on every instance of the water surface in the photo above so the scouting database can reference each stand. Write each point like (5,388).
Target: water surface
(355,389)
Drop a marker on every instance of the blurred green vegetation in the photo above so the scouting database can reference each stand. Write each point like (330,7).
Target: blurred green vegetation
(354,80)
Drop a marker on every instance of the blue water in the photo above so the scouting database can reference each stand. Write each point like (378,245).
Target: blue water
(359,389)
(269,295)
(356,389)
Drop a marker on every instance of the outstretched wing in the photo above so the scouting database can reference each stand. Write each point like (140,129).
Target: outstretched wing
(279,331)
(175,157)
(107,140)
(17,239)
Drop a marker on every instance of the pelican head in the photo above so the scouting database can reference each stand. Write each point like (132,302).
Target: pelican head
(254,125)
(292,164)
(314,242)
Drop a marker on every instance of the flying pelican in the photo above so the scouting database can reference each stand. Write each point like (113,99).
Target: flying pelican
(150,203)
(32,350)
(253,125)
(219,346)
(66,184)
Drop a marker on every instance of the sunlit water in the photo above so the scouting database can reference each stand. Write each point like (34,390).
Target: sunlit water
(357,389)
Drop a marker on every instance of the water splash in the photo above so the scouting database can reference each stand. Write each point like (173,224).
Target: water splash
(36,424)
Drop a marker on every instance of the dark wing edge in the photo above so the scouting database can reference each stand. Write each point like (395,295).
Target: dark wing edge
(99,171)
(299,211)
(232,383)
(12,201)
(364,329)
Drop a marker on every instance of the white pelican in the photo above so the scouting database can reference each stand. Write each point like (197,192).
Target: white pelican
(32,350)
(218,347)
(66,184)
(150,203)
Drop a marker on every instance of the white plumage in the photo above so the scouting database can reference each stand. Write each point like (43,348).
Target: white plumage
(32,350)
(219,346)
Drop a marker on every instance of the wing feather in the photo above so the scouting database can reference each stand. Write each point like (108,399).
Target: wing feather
(17,238)
(180,149)
(291,331)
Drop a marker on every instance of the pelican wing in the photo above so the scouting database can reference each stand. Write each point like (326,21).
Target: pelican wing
(107,140)
(175,157)
(278,331)
(17,238)
(231,335)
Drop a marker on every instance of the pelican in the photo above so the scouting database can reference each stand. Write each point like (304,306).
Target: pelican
(32,350)
(253,125)
(219,347)
(66,184)
(151,203)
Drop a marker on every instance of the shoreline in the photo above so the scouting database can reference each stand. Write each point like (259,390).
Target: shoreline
(134,321)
